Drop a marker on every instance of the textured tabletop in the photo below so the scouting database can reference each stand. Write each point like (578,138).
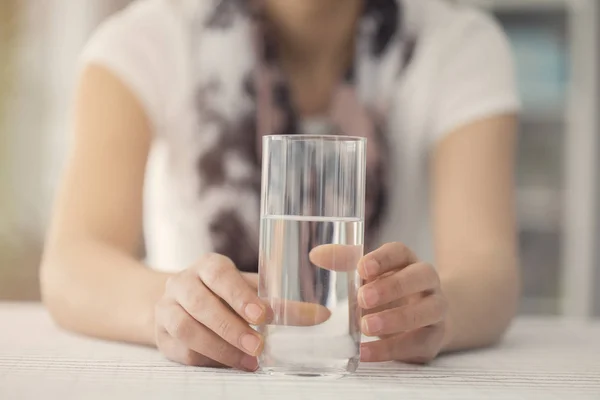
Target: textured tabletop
(540,358)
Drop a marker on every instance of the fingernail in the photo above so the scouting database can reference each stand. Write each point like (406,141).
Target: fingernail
(372,325)
(372,268)
(365,353)
(253,312)
(250,343)
(369,296)
(249,363)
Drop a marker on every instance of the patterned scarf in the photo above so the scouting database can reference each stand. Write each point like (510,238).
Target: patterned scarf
(241,94)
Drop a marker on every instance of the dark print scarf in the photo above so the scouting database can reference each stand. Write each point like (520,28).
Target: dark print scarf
(241,95)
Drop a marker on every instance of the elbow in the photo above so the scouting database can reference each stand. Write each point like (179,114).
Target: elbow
(483,303)
(499,333)
(55,292)
(506,308)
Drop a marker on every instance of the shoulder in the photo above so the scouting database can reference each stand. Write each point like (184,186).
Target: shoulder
(449,26)
(142,22)
(467,64)
(143,46)
(437,16)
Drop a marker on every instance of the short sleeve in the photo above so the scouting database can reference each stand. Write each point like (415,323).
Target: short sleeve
(133,45)
(476,75)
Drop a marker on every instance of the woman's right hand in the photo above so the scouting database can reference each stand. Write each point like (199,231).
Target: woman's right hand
(204,315)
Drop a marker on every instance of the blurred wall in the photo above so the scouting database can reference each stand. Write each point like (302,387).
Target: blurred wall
(19,250)
(39,45)
(597,258)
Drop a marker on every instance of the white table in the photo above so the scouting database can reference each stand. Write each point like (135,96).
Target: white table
(541,358)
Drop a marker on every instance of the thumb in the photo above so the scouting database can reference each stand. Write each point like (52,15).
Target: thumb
(295,313)
(333,257)
(336,257)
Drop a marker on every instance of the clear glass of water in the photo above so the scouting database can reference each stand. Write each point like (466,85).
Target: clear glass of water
(312,218)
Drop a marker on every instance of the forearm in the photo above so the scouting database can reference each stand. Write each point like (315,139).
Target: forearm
(482,293)
(96,290)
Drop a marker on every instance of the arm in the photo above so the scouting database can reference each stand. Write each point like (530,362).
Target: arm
(474,227)
(417,311)
(91,281)
(469,299)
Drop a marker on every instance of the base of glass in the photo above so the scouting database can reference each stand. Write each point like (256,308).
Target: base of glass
(332,369)
(312,373)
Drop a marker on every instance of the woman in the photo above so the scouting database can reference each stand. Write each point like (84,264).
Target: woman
(173,98)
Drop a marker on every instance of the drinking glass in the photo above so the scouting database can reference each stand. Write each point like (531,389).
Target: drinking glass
(311,240)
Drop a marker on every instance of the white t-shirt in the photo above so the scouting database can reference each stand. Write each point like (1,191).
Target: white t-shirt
(462,71)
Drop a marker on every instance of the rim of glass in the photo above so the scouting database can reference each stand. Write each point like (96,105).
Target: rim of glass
(304,137)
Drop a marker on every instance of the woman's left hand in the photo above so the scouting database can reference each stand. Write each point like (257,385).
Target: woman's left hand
(404,306)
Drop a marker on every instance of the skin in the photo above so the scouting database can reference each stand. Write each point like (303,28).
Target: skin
(93,282)
(315,44)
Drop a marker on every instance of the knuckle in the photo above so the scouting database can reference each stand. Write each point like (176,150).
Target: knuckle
(222,351)
(196,301)
(384,257)
(394,246)
(193,297)
(237,295)
(181,328)
(399,248)
(431,275)
(218,259)
(172,284)
(394,253)
(211,276)
(399,287)
(215,266)
(223,327)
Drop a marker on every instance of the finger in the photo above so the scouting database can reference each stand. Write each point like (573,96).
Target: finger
(197,300)
(415,278)
(336,257)
(389,257)
(419,346)
(251,279)
(293,313)
(206,308)
(222,277)
(185,329)
(178,352)
(428,311)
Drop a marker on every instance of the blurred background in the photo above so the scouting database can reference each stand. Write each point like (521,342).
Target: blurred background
(556,46)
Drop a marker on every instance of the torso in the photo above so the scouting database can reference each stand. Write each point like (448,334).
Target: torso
(201,191)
